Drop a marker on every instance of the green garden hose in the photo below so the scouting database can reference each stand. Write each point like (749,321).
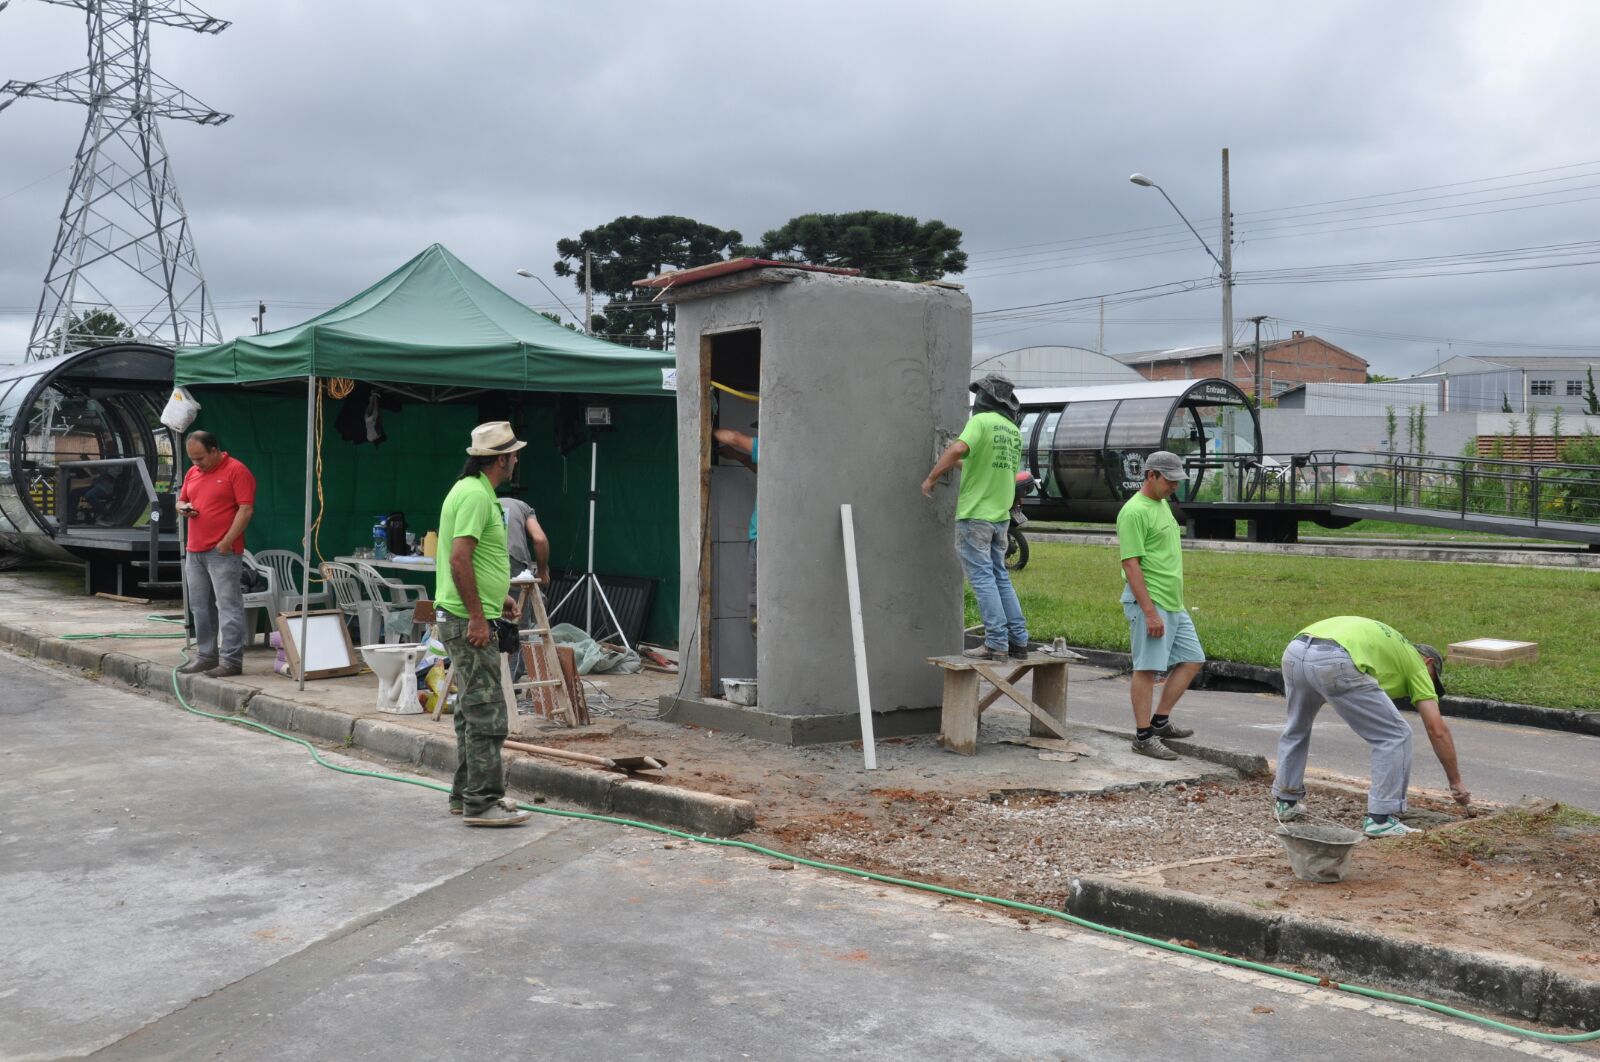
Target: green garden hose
(1043,912)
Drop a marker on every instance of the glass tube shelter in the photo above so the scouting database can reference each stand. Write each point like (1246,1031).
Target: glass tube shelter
(1086,445)
(99,405)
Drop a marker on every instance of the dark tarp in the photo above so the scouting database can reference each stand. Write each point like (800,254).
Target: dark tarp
(436,326)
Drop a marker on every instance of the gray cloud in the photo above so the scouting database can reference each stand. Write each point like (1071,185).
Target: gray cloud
(367,130)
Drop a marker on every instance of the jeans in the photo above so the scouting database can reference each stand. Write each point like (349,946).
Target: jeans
(217,601)
(981,545)
(1314,674)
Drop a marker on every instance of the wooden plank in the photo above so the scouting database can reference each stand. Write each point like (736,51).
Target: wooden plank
(1050,692)
(995,694)
(958,718)
(702,391)
(1017,695)
(568,658)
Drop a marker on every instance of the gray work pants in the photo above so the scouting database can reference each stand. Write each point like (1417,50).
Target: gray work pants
(217,601)
(1318,673)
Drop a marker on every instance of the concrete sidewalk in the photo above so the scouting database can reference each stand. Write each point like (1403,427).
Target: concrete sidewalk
(715,783)
(178,889)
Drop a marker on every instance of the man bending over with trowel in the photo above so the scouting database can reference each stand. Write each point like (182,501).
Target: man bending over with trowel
(1362,667)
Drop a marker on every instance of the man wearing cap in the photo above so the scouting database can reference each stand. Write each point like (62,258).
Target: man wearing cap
(989,451)
(1162,635)
(1362,667)
(476,577)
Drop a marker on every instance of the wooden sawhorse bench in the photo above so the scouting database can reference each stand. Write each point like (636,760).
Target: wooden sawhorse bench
(958,719)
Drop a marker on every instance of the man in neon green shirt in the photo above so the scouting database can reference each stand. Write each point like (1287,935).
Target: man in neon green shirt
(1160,631)
(989,452)
(475,575)
(1362,667)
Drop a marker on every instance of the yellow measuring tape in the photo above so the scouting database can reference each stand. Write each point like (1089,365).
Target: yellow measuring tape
(737,394)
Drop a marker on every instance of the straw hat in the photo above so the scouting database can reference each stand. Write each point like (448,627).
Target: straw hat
(493,439)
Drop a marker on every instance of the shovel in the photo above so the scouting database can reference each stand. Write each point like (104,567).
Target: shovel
(615,763)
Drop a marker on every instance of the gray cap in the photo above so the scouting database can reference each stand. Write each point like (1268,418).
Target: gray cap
(1436,658)
(1169,464)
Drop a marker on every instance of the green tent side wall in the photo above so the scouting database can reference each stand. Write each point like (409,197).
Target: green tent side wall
(636,514)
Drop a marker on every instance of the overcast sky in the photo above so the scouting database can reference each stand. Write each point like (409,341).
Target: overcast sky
(365,130)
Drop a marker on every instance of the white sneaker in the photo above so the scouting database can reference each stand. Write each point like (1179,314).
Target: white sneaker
(1393,828)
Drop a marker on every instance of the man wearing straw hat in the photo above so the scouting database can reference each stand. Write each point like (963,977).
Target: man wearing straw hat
(476,572)
(1362,667)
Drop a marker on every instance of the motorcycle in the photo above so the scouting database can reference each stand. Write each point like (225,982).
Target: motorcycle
(1016,544)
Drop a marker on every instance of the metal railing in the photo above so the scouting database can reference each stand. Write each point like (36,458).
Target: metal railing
(1532,493)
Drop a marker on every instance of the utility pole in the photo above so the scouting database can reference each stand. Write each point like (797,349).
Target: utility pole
(1228,491)
(1227,283)
(260,318)
(588,291)
(1260,366)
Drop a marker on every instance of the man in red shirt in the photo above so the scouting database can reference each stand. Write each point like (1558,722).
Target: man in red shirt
(218,498)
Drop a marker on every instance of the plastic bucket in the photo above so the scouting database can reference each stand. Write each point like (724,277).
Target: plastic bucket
(1318,852)
(740,691)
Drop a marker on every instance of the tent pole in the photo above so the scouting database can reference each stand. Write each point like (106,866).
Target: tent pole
(305,543)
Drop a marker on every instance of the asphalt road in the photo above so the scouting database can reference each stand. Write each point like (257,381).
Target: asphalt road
(1499,763)
(178,888)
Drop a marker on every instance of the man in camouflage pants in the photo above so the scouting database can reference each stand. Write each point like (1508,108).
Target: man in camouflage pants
(472,535)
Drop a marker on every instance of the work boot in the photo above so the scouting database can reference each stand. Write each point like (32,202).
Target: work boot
(225,671)
(1017,651)
(497,815)
(1173,730)
(983,652)
(456,808)
(1152,746)
(195,667)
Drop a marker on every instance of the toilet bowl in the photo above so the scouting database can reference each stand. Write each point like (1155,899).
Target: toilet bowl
(396,668)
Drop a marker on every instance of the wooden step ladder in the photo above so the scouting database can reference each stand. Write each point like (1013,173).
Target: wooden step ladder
(542,664)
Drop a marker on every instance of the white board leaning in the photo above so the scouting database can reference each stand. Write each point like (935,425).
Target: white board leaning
(328,652)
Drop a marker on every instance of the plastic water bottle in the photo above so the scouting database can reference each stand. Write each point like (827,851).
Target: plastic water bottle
(380,538)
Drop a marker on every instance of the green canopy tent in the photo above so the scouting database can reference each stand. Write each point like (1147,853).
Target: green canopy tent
(449,347)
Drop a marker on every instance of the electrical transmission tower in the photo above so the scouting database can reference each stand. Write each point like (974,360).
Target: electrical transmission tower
(123,248)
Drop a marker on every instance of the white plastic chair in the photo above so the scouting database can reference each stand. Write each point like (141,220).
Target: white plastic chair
(394,597)
(287,568)
(260,601)
(346,585)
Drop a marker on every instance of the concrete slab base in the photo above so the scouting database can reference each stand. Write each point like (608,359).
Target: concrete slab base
(715,714)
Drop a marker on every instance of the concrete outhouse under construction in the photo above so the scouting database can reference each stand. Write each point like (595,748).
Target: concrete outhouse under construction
(852,387)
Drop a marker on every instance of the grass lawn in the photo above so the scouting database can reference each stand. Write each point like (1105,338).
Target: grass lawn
(1247,607)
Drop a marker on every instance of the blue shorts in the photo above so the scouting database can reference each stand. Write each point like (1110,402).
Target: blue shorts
(1178,645)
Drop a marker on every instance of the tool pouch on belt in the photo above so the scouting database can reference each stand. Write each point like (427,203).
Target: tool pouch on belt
(505,632)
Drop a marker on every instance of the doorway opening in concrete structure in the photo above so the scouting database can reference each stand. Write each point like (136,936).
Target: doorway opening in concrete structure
(732,364)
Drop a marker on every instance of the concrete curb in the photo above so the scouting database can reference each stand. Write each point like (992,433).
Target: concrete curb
(1227,674)
(1518,987)
(684,809)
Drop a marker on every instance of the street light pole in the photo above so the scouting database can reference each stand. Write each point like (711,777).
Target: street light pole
(1225,265)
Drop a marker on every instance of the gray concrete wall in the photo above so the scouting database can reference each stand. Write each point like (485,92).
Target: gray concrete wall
(862,383)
